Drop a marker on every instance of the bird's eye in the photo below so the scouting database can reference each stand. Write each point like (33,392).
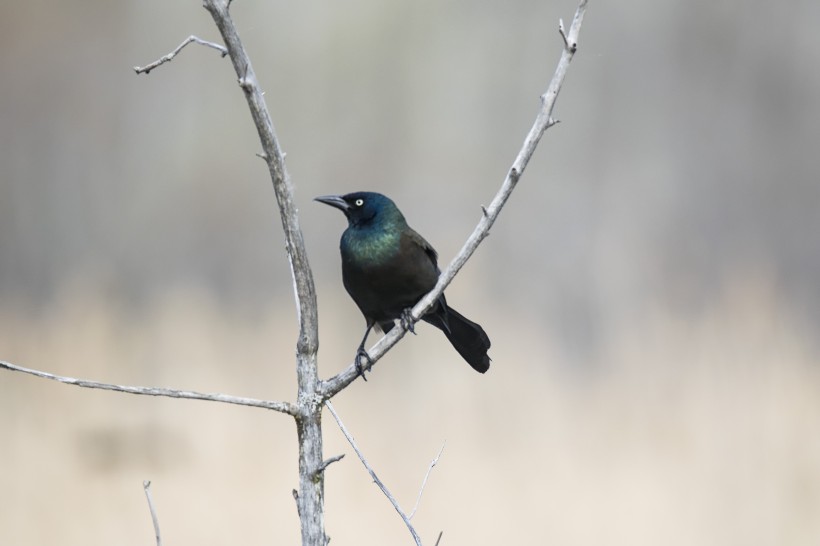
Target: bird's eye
(359,202)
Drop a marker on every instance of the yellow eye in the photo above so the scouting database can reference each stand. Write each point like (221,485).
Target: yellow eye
(359,202)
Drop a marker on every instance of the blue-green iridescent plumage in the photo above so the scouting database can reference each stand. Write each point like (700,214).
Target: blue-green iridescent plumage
(387,267)
(375,238)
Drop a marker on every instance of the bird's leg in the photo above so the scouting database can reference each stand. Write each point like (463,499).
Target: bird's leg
(361,353)
(406,319)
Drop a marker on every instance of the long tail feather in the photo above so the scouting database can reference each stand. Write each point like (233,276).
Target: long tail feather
(467,337)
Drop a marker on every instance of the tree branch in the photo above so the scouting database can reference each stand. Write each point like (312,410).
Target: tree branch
(433,463)
(166,58)
(543,121)
(146,485)
(373,475)
(305,291)
(310,497)
(334,459)
(282,407)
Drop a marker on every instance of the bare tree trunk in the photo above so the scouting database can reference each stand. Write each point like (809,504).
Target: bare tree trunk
(310,499)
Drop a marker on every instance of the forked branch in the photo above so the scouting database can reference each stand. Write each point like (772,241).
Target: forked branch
(166,58)
(405,518)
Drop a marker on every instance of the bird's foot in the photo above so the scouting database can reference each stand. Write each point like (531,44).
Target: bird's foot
(406,319)
(361,353)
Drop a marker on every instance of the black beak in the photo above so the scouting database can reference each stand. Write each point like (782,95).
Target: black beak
(335,201)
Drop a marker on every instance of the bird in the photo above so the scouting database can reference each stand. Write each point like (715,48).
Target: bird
(387,268)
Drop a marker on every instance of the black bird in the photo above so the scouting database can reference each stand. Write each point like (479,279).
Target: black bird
(387,268)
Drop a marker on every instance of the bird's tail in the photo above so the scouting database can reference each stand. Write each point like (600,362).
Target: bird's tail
(467,337)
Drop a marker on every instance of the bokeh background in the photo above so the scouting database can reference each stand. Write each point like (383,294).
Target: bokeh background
(650,289)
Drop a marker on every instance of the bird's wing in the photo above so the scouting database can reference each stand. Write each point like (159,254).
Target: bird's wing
(428,248)
(437,315)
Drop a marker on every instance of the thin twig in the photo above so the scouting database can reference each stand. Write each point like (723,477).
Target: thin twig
(147,486)
(166,58)
(563,33)
(424,482)
(543,121)
(283,407)
(373,475)
(439,537)
(328,462)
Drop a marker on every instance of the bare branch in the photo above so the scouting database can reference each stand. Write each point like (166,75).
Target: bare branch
(310,497)
(543,121)
(327,463)
(283,407)
(424,482)
(562,32)
(283,188)
(147,486)
(162,60)
(373,475)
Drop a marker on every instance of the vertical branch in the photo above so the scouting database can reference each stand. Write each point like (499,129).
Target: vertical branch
(310,496)
(146,485)
(282,186)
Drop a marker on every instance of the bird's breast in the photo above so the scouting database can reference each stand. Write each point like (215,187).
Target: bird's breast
(367,250)
(385,273)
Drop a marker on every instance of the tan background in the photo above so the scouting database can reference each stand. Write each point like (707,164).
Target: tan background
(650,290)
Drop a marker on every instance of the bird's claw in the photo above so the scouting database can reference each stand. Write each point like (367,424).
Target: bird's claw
(406,320)
(361,353)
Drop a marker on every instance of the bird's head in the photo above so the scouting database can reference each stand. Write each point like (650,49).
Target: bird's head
(364,207)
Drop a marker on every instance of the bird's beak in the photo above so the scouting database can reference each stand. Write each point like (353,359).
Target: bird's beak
(334,201)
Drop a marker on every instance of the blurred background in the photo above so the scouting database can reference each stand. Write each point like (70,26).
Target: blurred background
(650,289)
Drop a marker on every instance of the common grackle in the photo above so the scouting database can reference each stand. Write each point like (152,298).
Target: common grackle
(387,267)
